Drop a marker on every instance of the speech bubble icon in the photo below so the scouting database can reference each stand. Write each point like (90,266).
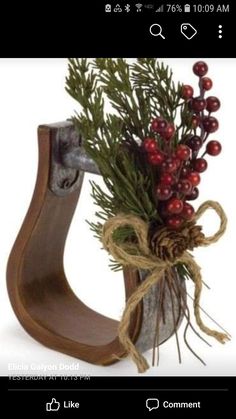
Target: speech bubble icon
(152,404)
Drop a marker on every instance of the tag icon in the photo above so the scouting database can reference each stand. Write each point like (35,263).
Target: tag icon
(188,30)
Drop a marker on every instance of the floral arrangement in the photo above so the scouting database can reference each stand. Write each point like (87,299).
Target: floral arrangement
(151,152)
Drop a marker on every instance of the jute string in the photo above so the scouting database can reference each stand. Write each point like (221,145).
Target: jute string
(139,256)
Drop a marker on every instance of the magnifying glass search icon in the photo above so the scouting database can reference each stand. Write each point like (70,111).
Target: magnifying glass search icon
(156,30)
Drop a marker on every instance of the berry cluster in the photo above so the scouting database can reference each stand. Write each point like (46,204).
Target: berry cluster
(175,161)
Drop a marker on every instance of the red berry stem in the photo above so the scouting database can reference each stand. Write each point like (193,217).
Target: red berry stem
(205,137)
(171,152)
(202,91)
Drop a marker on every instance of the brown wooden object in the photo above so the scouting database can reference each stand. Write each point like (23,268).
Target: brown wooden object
(39,292)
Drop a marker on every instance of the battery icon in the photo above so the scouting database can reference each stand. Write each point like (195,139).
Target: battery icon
(187,8)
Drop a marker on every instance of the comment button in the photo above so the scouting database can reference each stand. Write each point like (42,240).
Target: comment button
(152,404)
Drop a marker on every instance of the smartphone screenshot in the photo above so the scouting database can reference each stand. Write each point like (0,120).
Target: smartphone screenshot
(118,212)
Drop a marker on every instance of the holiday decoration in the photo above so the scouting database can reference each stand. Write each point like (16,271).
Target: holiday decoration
(152,153)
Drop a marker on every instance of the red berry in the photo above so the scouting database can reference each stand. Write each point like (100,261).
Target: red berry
(184,186)
(174,206)
(195,142)
(158,124)
(213,148)
(168,132)
(194,194)
(150,145)
(194,178)
(187,91)
(177,162)
(206,83)
(183,152)
(169,165)
(155,123)
(156,158)
(185,139)
(213,104)
(187,211)
(200,165)
(210,124)
(174,222)
(200,68)
(163,192)
(185,171)
(198,104)
(167,179)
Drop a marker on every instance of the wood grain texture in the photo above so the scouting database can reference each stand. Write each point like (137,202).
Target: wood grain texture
(38,289)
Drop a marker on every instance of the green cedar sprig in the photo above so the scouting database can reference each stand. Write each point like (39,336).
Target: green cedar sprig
(137,92)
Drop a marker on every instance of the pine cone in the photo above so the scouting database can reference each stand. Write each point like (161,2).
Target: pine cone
(169,244)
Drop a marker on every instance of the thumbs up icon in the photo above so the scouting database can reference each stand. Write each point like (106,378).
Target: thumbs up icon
(52,406)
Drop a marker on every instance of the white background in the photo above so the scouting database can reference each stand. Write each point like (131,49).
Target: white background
(31,93)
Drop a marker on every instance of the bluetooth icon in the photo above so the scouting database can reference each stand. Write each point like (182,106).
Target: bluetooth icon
(127,8)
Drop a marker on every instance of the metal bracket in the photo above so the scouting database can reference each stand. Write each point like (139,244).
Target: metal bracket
(69,161)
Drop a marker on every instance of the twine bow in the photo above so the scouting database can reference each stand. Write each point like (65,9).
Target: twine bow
(139,256)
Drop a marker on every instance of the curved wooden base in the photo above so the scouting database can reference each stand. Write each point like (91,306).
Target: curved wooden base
(39,292)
